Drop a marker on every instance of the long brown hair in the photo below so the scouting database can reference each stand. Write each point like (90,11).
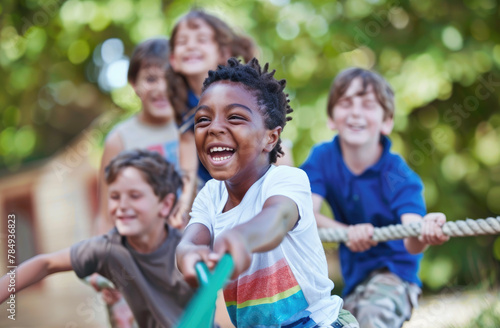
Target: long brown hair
(226,38)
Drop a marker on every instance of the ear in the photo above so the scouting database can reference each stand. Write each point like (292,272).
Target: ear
(273,136)
(331,123)
(166,205)
(173,62)
(387,126)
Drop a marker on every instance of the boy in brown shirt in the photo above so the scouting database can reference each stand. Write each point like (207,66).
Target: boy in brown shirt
(138,255)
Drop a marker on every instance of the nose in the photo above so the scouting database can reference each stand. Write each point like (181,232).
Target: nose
(162,84)
(191,43)
(356,109)
(123,203)
(217,126)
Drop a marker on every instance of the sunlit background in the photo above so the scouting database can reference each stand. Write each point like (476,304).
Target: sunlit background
(63,71)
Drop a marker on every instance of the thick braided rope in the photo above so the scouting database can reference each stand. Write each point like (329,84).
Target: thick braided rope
(469,227)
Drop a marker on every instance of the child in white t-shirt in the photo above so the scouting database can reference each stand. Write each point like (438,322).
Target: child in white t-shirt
(259,213)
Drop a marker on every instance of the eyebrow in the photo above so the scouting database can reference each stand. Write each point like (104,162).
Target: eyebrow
(358,94)
(230,106)
(227,107)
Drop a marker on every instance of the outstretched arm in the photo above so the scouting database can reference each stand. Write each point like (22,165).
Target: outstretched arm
(34,270)
(359,235)
(322,220)
(432,233)
(193,247)
(262,233)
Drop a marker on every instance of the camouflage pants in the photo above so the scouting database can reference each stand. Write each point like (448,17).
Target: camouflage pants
(345,320)
(383,300)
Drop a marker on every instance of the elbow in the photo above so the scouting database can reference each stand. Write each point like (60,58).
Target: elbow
(45,265)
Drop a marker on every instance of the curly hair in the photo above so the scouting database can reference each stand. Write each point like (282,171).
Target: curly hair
(158,173)
(226,38)
(271,99)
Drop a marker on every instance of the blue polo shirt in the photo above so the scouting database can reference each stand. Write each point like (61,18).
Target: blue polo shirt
(379,196)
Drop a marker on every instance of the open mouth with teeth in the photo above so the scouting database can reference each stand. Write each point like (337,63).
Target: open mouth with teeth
(219,154)
(356,127)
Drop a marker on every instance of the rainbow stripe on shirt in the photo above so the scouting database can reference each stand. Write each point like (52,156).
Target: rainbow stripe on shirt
(265,298)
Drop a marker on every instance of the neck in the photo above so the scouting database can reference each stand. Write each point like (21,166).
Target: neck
(148,243)
(195,83)
(148,120)
(358,159)
(236,190)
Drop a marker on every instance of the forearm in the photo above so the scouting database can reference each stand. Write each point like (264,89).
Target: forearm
(25,275)
(193,247)
(267,229)
(194,236)
(34,270)
(412,244)
(431,232)
(324,221)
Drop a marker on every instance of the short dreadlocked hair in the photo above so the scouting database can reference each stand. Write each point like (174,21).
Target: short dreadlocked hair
(272,101)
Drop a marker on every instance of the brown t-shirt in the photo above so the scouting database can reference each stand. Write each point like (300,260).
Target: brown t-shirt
(153,287)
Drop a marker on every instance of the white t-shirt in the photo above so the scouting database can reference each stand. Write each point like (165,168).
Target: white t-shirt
(287,283)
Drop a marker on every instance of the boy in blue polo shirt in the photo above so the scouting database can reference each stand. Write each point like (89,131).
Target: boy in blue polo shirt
(367,186)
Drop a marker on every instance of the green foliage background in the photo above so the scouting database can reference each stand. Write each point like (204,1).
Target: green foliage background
(442,58)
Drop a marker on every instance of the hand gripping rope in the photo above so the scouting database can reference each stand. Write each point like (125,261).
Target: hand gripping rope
(201,309)
(462,228)
(101,282)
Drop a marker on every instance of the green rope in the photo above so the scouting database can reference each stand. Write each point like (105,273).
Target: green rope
(101,282)
(201,309)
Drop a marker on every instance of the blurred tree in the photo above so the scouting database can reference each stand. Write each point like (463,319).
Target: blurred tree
(441,57)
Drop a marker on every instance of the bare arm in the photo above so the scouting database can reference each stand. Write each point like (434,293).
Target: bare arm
(113,146)
(34,270)
(322,220)
(432,233)
(188,161)
(268,228)
(359,235)
(193,247)
(262,233)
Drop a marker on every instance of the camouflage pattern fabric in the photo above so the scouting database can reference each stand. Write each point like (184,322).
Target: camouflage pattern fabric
(345,320)
(383,300)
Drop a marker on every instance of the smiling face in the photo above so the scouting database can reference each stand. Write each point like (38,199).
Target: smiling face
(138,213)
(231,138)
(195,49)
(359,117)
(151,87)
